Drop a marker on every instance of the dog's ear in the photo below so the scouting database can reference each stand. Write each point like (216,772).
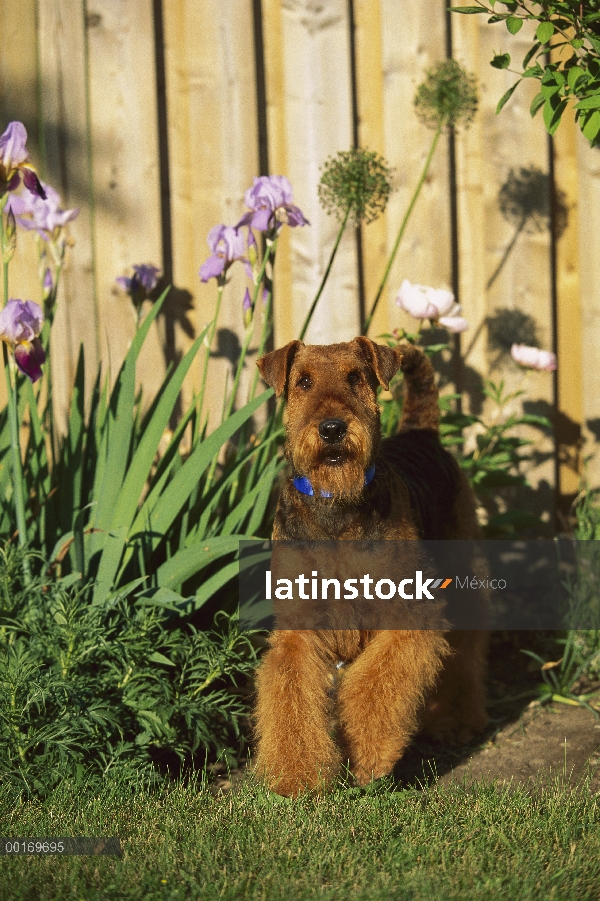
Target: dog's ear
(275,367)
(384,361)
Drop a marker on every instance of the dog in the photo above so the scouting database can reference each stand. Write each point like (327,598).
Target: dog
(345,483)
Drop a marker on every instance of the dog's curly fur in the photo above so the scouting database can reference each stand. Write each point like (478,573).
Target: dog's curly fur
(394,681)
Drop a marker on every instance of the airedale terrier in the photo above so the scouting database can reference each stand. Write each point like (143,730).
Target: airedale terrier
(346,483)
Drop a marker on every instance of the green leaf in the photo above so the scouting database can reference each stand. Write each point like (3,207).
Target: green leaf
(160,597)
(262,500)
(591,127)
(506,97)
(592,102)
(533,72)
(549,88)
(467,10)
(128,493)
(536,103)
(179,489)
(514,24)
(212,498)
(552,114)
(531,419)
(544,32)
(139,469)
(188,562)
(431,349)
(574,74)
(71,480)
(212,585)
(121,424)
(501,61)
(238,514)
(157,657)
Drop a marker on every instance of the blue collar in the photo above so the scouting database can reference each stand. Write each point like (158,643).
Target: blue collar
(303,485)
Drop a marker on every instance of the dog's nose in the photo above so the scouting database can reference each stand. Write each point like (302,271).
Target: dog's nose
(332,430)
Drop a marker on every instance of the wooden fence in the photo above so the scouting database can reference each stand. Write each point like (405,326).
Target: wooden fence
(153,118)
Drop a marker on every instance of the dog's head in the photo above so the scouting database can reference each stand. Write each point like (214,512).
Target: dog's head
(332,414)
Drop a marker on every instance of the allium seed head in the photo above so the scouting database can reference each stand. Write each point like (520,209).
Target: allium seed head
(447,97)
(358,181)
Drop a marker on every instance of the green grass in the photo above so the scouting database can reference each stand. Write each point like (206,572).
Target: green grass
(182,842)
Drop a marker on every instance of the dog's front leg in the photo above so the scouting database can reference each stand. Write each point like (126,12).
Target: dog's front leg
(380,697)
(295,749)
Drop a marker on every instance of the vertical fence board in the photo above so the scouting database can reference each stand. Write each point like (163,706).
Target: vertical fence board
(570,385)
(413,39)
(126,193)
(284,328)
(470,189)
(61,42)
(213,147)
(369,86)
(589,260)
(317,83)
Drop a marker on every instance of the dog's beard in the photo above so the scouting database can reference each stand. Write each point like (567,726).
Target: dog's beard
(337,469)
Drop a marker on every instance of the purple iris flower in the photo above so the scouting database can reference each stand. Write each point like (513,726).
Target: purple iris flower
(270,203)
(227,245)
(14,162)
(43,216)
(143,281)
(20,324)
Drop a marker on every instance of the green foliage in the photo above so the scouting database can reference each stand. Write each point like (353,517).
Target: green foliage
(580,659)
(496,461)
(108,513)
(122,686)
(567,678)
(587,515)
(567,26)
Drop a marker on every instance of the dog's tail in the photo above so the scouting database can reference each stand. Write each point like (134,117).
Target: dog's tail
(420,410)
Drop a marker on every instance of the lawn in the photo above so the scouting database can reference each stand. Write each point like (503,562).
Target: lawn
(185,842)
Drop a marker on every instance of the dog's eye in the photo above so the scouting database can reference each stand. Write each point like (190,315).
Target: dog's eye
(353,378)
(305,382)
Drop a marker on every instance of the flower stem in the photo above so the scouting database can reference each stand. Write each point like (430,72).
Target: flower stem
(403,225)
(49,307)
(13,418)
(325,276)
(265,332)
(269,255)
(209,342)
